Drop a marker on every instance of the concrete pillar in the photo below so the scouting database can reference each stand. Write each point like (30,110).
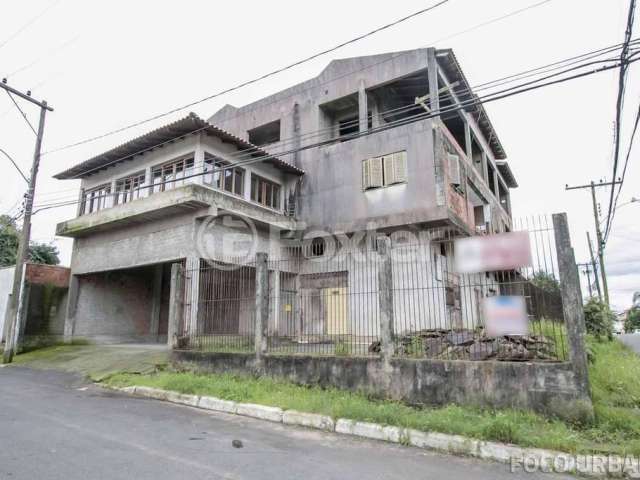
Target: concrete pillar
(297,305)
(176,305)
(198,163)
(110,201)
(432,73)
(72,305)
(467,139)
(274,294)
(80,209)
(156,300)
(296,134)
(385,298)
(372,104)
(7,316)
(571,302)
(363,108)
(262,304)
(485,167)
(192,278)
(23,313)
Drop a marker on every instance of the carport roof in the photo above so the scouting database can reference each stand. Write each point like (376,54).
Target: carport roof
(189,125)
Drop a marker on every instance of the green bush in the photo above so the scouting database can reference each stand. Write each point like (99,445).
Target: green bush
(599,319)
(632,322)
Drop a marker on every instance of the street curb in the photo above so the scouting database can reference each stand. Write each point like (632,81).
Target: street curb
(546,461)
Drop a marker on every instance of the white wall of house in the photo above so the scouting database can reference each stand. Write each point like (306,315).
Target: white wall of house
(6,286)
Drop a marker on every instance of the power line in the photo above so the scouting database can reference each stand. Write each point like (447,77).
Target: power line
(474,101)
(624,173)
(250,151)
(624,66)
(28,24)
(410,106)
(24,115)
(184,107)
(15,165)
(255,80)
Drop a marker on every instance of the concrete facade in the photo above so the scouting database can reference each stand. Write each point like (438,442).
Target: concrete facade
(310,142)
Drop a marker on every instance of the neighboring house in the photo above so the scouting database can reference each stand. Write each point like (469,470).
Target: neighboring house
(43,306)
(350,150)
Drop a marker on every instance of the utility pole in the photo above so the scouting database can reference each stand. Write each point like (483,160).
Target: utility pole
(587,272)
(595,267)
(16,302)
(592,185)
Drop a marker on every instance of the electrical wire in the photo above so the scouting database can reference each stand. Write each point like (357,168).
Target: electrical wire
(477,100)
(257,79)
(624,65)
(24,115)
(15,165)
(28,24)
(467,91)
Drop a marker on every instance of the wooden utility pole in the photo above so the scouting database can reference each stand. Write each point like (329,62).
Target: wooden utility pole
(16,302)
(599,238)
(587,272)
(595,268)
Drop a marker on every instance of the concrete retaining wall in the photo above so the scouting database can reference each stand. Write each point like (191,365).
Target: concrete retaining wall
(548,388)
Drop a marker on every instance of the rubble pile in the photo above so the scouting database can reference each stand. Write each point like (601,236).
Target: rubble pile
(471,345)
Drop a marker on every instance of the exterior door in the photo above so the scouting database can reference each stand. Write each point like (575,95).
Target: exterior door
(335,309)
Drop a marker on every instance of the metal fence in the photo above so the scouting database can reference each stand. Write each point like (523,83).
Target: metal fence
(324,301)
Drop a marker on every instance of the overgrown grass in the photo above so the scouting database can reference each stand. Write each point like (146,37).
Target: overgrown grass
(615,380)
(508,425)
(615,386)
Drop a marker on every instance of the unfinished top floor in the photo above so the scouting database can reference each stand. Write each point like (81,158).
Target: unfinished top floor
(362,113)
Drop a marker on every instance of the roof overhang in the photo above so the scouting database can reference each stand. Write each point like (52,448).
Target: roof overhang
(189,125)
(449,63)
(507,174)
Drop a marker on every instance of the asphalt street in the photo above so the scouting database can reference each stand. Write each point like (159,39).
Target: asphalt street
(632,340)
(54,425)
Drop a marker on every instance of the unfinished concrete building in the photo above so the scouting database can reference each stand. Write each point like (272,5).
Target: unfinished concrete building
(385,143)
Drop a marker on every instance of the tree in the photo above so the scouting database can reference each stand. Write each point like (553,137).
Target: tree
(545,281)
(10,238)
(44,253)
(632,321)
(598,319)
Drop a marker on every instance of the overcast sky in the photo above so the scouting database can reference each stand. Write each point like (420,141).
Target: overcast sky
(102,65)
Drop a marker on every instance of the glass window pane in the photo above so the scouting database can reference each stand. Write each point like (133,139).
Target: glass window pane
(228,179)
(238,185)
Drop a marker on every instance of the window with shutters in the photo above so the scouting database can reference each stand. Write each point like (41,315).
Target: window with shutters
(385,170)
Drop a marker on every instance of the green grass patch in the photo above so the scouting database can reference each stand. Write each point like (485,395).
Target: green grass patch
(511,426)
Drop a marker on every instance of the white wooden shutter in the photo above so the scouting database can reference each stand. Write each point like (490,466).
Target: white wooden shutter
(389,172)
(400,167)
(454,169)
(366,173)
(375,171)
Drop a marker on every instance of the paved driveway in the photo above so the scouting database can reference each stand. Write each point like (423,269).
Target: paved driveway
(54,426)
